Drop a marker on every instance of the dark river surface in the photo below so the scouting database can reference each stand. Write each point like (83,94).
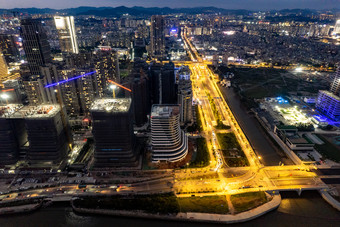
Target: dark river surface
(308,210)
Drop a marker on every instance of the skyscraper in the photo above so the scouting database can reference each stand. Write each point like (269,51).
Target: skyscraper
(9,48)
(47,133)
(3,66)
(157,36)
(12,133)
(43,126)
(335,86)
(329,102)
(185,100)
(67,34)
(36,46)
(169,142)
(112,128)
(336,30)
(107,67)
(163,83)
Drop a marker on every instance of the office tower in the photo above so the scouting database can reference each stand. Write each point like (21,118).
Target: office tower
(9,48)
(47,131)
(329,102)
(138,83)
(336,30)
(112,128)
(157,36)
(168,141)
(335,86)
(185,100)
(12,133)
(3,66)
(163,83)
(67,34)
(36,46)
(107,67)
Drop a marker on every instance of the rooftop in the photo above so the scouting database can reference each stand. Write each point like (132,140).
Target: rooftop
(283,127)
(330,94)
(111,105)
(164,110)
(20,111)
(9,110)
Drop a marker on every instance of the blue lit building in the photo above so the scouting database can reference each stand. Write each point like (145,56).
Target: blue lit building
(329,104)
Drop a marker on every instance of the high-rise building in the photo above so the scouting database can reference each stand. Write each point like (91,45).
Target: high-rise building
(185,100)
(47,133)
(329,102)
(13,134)
(336,30)
(138,83)
(168,141)
(9,48)
(35,91)
(335,86)
(107,67)
(3,66)
(112,128)
(78,95)
(35,43)
(163,83)
(40,130)
(157,36)
(67,34)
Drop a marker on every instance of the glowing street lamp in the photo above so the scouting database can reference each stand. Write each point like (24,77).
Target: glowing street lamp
(5,96)
(113,87)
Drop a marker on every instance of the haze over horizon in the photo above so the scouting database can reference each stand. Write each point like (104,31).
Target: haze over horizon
(227,4)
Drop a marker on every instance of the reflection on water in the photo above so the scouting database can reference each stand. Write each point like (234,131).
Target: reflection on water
(308,210)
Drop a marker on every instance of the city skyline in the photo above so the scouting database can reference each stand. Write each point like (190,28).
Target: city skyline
(190,115)
(229,4)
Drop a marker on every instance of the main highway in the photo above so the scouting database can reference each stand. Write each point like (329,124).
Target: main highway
(256,176)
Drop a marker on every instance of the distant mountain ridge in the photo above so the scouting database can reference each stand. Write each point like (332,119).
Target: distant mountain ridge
(141,11)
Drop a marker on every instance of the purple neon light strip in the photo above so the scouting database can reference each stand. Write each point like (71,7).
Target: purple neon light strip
(68,80)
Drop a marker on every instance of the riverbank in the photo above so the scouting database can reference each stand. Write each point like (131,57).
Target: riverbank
(27,208)
(273,204)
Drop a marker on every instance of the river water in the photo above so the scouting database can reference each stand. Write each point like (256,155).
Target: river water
(308,210)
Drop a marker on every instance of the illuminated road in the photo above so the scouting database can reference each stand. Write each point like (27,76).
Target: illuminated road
(253,178)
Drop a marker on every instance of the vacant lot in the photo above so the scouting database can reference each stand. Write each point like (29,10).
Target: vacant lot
(206,204)
(232,151)
(247,201)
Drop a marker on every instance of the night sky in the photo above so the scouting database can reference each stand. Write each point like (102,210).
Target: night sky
(228,4)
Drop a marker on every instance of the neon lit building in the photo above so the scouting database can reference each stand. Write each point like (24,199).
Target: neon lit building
(169,142)
(67,34)
(329,104)
(112,128)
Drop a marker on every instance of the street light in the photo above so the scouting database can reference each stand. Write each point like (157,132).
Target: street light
(113,87)
(4,96)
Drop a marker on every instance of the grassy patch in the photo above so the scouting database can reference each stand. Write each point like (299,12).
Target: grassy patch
(156,203)
(328,150)
(232,151)
(202,155)
(247,201)
(206,204)
(197,126)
